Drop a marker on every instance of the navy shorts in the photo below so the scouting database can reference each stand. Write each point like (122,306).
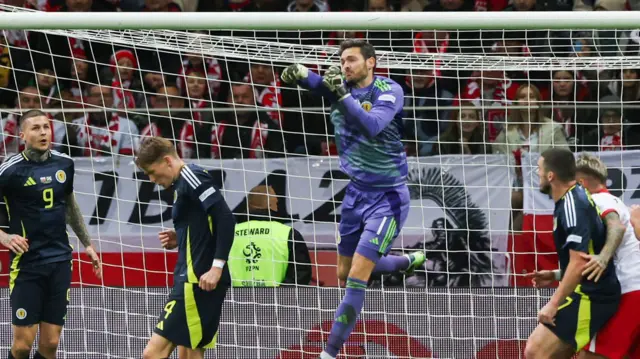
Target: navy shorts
(371,220)
(581,316)
(192,319)
(40,293)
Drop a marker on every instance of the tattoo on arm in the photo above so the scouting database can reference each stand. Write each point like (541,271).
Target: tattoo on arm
(615,233)
(74,219)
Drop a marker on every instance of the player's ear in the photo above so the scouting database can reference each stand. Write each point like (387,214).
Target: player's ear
(550,176)
(371,63)
(167,160)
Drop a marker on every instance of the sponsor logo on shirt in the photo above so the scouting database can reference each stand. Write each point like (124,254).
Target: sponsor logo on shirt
(387,97)
(207,193)
(46,180)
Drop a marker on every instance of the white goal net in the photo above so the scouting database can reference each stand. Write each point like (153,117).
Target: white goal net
(479,105)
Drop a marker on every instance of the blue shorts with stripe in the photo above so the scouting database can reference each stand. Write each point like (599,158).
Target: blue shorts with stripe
(191,319)
(581,316)
(371,220)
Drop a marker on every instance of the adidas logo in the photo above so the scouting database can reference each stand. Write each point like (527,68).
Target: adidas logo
(30,182)
(374,240)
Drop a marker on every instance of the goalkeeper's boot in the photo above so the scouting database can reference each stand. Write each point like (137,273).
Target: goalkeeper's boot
(416,259)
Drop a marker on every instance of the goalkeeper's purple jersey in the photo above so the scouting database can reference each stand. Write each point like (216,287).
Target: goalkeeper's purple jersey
(368,131)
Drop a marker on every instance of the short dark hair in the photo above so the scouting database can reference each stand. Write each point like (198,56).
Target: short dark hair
(561,162)
(366,49)
(152,149)
(30,114)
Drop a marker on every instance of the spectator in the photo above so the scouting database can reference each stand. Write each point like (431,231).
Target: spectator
(424,126)
(46,84)
(161,6)
(628,88)
(246,134)
(77,5)
(568,91)
(266,252)
(263,5)
(80,6)
(412,5)
(525,5)
(210,67)
(466,135)
(126,88)
(613,132)
(378,6)
(492,88)
(30,98)
(98,134)
(6,73)
(79,76)
(152,83)
(168,123)
(450,5)
(266,82)
(195,137)
(528,130)
(307,6)
(386,40)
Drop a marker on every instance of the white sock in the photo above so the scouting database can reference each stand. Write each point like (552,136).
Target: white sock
(325,355)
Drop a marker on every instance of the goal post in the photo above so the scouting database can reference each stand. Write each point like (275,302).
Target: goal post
(550,20)
(210,82)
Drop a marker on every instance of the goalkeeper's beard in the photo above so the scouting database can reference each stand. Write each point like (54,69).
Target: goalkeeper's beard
(355,81)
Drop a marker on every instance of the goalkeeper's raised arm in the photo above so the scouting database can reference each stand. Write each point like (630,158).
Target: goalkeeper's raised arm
(366,113)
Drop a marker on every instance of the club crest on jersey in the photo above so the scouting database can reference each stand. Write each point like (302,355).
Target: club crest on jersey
(21,313)
(46,179)
(367,106)
(61,176)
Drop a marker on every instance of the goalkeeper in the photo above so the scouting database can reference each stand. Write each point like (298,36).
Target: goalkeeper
(366,112)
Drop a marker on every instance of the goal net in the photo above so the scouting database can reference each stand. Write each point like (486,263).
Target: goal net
(478,107)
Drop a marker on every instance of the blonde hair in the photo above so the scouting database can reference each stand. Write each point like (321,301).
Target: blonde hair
(592,166)
(515,116)
(153,149)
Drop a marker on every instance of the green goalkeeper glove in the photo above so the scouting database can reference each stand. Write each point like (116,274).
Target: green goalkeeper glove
(334,81)
(293,73)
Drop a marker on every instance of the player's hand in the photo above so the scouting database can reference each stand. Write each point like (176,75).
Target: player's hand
(209,281)
(95,261)
(168,239)
(16,243)
(542,279)
(595,267)
(293,73)
(635,215)
(334,81)
(547,315)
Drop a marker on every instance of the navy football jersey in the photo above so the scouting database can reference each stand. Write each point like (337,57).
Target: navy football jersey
(194,195)
(35,194)
(577,225)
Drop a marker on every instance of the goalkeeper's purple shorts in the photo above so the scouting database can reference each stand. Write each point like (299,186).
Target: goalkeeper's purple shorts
(371,220)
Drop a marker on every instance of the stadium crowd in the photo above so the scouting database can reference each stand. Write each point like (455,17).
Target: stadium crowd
(54,72)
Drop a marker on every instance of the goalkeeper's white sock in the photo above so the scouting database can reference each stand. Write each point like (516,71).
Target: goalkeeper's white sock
(325,355)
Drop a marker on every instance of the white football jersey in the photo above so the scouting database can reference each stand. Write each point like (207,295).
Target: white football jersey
(627,257)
